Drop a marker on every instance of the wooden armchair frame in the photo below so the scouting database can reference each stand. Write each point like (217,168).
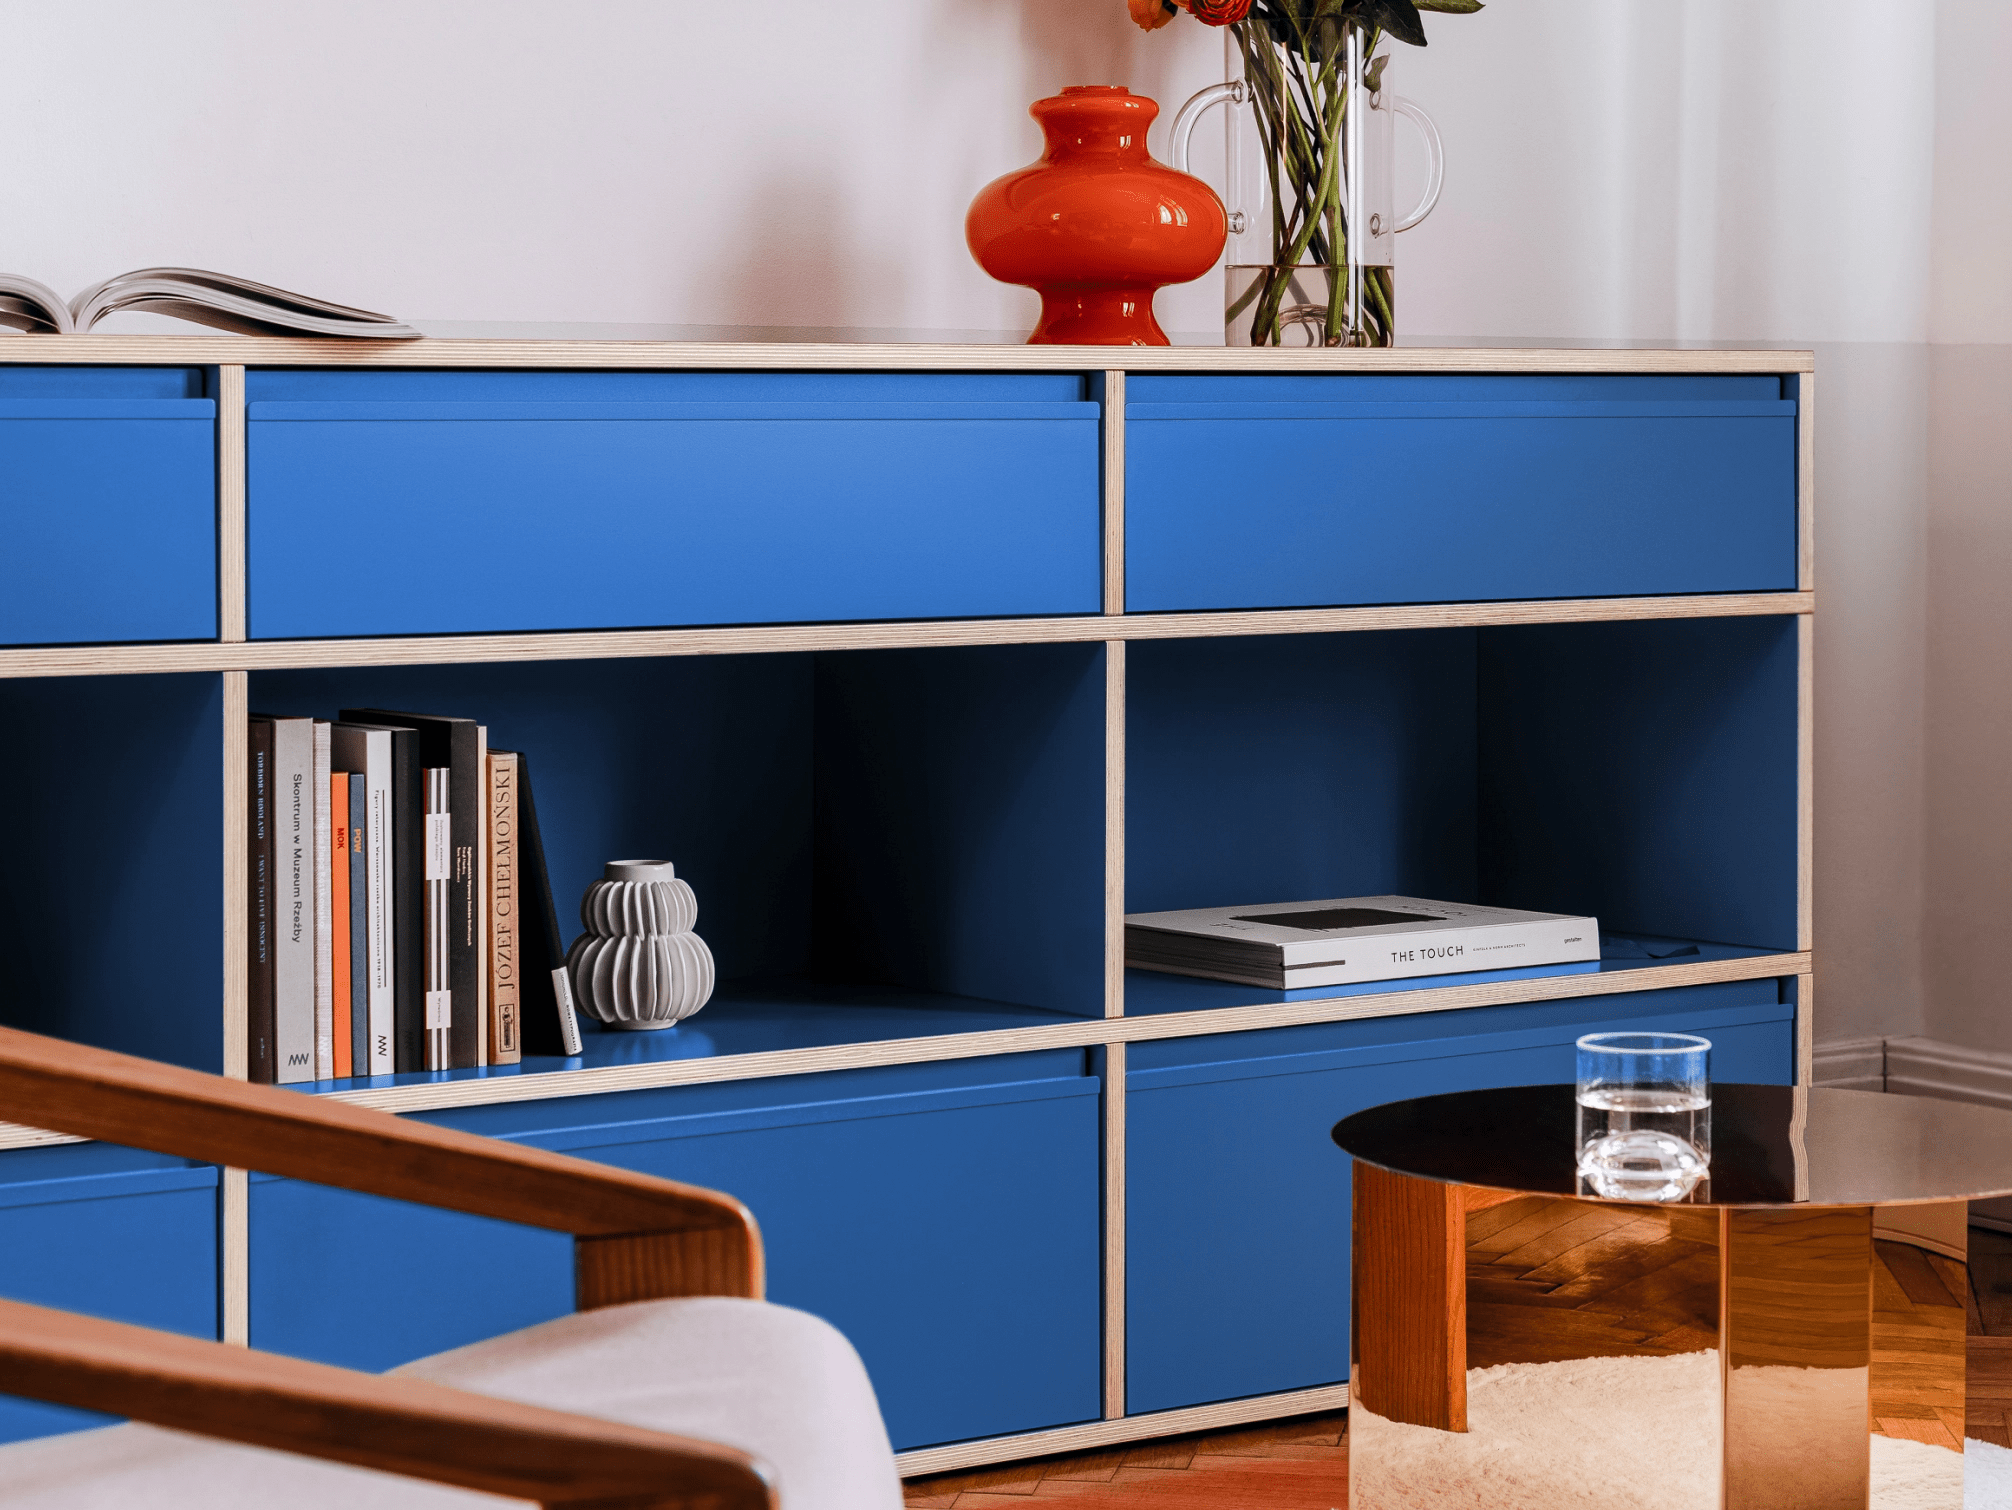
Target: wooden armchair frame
(635,1238)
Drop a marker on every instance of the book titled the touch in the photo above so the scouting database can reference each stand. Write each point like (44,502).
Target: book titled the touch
(1349,940)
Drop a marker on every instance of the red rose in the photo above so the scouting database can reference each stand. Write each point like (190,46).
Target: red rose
(1219,12)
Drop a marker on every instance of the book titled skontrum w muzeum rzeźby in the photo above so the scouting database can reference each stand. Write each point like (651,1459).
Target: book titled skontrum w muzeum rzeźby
(1348,940)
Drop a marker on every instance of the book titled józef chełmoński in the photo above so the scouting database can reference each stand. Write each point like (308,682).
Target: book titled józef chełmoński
(1347,940)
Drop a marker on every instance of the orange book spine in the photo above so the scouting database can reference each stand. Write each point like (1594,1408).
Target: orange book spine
(338,884)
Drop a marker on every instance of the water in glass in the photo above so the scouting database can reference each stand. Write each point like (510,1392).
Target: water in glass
(1644,1143)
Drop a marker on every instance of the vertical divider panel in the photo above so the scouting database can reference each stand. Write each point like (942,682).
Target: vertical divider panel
(1805,1032)
(233,1235)
(1805,481)
(1114,828)
(1114,491)
(1114,1231)
(234,1257)
(1805,779)
(230,504)
(1114,1006)
(236,774)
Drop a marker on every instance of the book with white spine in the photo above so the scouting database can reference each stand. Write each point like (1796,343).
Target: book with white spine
(368,750)
(293,857)
(1351,940)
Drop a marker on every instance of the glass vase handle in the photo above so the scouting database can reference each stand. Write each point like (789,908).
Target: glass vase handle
(1435,158)
(1181,142)
(1183,134)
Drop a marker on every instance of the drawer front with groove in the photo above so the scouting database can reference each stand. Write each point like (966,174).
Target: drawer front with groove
(1270,492)
(108,525)
(1237,1200)
(576,501)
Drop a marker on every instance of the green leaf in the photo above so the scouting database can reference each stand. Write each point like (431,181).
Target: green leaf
(1398,17)
(1372,76)
(1449,7)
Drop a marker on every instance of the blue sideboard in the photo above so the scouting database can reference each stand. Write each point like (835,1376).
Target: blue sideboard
(925,665)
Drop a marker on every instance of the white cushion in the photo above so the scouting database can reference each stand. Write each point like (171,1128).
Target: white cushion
(771,1381)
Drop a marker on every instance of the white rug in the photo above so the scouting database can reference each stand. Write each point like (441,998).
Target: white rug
(1622,1434)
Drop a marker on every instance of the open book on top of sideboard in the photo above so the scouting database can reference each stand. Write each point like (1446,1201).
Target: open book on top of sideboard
(217,299)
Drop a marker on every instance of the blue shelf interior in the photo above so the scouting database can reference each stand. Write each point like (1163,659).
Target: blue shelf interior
(1642,773)
(111,911)
(759,1016)
(883,844)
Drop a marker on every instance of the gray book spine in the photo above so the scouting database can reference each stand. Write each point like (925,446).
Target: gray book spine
(324,913)
(293,951)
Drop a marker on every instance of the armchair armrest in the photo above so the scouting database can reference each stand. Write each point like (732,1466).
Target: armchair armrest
(395,1424)
(635,1237)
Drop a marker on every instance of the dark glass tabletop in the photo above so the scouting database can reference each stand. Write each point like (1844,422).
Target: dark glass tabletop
(1771,1145)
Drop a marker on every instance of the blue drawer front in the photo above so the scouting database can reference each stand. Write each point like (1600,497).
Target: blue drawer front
(107,506)
(938,1224)
(1237,1202)
(1275,493)
(639,504)
(110,1232)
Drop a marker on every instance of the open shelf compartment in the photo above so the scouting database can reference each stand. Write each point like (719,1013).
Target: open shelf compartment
(1643,773)
(884,844)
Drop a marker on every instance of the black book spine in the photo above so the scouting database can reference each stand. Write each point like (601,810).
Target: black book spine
(261,1067)
(455,743)
(541,950)
(467,811)
(408,899)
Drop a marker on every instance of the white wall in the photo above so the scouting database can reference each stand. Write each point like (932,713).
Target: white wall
(1701,170)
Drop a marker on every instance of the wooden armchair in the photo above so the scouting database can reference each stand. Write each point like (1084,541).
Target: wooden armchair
(637,1239)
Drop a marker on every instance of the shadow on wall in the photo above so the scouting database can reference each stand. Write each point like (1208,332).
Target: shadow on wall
(814,242)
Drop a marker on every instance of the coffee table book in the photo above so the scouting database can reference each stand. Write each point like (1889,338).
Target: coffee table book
(1349,940)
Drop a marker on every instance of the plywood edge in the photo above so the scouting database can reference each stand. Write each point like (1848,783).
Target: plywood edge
(1165,1423)
(15,1135)
(234,1256)
(1114,493)
(1084,1033)
(230,503)
(236,1003)
(1114,1231)
(616,644)
(281,351)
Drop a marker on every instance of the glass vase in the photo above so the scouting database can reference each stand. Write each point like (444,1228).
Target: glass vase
(1309,182)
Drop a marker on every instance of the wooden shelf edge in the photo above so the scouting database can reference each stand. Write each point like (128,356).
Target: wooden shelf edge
(1163,1423)
(283,351)
(769,639)
(1086,1033)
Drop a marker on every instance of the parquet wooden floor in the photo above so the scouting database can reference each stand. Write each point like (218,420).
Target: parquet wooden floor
(1301,1464)
(1549,1280)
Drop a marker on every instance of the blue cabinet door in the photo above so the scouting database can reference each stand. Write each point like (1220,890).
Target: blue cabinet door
(1237,1201)
(107,505)
(943,1216)
(1278,492)
(593,501)
(110,1232)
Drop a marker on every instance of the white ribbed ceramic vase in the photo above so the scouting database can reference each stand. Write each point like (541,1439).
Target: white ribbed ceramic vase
(639,965)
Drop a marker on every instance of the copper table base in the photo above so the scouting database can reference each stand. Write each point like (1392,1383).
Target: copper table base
(1827,1305)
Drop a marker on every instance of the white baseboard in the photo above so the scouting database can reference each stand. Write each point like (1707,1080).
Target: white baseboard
(1930,1067)
(1925,1067)
(1851,1064)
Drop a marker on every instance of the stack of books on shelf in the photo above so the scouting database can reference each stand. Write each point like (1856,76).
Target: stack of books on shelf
(401,914)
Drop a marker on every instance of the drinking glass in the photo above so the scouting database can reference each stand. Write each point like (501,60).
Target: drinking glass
(1645,1114)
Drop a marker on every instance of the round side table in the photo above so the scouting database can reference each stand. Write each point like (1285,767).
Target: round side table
(1835,1222)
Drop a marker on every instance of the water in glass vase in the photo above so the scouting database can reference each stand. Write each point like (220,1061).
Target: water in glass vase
(1644,1143)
